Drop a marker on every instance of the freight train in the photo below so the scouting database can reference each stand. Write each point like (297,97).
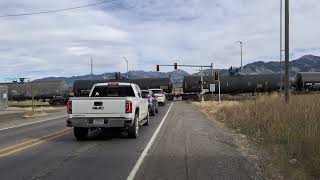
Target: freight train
(20,91)
(303,81)
(234,84)
(81,88)
(307,81)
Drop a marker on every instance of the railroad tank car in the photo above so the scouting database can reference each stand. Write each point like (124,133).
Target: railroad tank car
(40,89)
(235,84)
(82,87)
(307,81)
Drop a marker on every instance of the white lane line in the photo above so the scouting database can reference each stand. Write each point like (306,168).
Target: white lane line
(146,149)
(44,120)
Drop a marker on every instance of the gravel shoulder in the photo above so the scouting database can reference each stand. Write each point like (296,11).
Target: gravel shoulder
(192,147)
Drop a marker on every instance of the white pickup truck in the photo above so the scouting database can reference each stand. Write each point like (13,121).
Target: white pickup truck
(109,105)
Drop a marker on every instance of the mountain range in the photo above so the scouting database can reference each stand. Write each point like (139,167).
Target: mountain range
(308,63)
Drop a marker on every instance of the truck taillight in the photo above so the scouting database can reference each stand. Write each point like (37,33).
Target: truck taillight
(69,107)
(128,107)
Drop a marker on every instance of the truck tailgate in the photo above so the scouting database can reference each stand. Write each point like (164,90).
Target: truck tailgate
(99,106)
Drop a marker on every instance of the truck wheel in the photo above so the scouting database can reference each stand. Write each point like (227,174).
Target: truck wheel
(147,120)
(133,130)
(80,133)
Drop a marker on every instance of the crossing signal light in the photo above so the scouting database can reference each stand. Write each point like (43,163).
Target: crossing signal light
(175,66)
(203,82)
(158,68)
(216,75)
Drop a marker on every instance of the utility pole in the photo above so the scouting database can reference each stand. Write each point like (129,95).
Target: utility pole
(287,28)
(281,17)
(241,51)
(127,66)
(91,74)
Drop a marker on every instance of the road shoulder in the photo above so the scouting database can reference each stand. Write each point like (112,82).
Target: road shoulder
(192,147)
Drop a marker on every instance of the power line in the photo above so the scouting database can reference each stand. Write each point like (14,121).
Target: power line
(57,10)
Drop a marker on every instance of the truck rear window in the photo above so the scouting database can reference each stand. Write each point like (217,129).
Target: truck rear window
(113,91)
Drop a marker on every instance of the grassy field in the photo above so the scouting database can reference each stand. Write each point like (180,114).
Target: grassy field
(290,133)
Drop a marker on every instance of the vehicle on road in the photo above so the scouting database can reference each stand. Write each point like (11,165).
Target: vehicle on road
(160,96)
(153,103)
(109,105)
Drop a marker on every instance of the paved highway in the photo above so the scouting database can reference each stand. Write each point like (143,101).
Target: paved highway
(180,143)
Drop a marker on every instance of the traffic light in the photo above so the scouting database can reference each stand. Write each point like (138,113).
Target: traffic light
(158,68)
(216,75)
(175,66)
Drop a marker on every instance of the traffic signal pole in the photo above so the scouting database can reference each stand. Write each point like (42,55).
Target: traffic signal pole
(201,76)
(175,65)
(219,92)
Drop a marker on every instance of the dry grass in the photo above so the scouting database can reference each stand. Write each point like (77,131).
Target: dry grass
(289,132)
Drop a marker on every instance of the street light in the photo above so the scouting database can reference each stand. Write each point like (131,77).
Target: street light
(127,66)
(241,51)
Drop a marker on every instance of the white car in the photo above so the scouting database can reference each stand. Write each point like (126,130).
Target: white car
(160,96)
(109,105)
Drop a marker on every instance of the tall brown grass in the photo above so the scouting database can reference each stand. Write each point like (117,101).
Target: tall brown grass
(290,132)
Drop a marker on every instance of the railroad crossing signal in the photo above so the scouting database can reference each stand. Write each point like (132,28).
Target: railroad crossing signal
(216,75)
(203,82)
(175,66)
(158,68)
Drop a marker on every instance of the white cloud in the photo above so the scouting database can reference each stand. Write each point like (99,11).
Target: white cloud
(147,32)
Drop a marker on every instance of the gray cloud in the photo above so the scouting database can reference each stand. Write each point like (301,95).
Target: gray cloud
(147,32)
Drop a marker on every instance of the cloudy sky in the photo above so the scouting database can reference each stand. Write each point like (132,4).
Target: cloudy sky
(147,32)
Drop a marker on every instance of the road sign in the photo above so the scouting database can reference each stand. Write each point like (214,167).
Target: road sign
(212,88)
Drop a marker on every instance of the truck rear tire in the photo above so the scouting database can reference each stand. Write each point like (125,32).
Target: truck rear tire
(133,130)
(80,133)
(147,120)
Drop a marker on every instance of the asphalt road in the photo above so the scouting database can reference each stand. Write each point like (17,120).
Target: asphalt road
(188,146)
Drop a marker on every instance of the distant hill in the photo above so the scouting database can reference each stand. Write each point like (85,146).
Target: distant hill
(308,63)
(177,76)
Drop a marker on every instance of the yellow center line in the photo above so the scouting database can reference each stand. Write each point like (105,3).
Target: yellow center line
(27,142)
(25,145)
